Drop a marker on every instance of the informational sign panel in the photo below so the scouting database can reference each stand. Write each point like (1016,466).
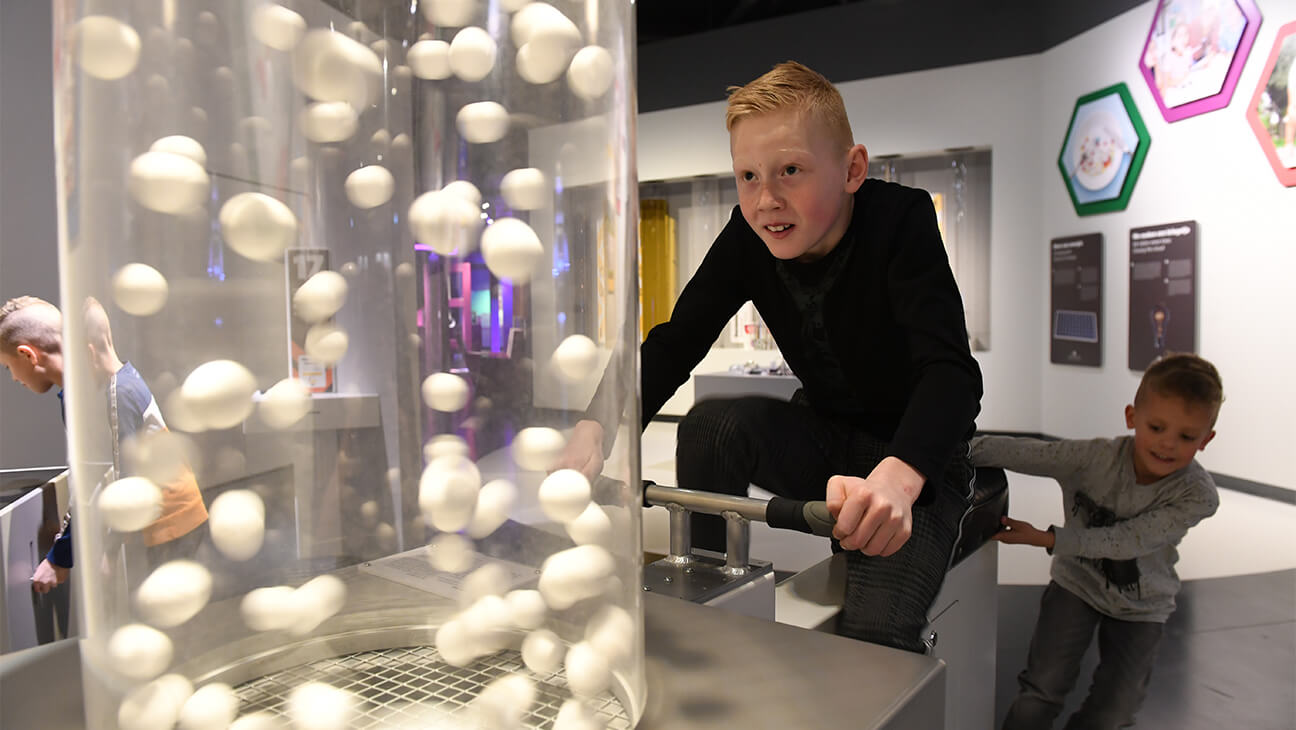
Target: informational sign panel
(300,265)
(1075,316)
(1162,292)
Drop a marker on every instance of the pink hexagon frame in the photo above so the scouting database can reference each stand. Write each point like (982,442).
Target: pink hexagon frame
(1277,122)
(1197,49)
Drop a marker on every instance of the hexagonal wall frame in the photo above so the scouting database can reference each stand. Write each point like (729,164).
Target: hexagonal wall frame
(1194,53)
(1103,151)
(1273,122)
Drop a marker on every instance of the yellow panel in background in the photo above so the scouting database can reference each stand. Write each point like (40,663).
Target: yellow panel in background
(657,263)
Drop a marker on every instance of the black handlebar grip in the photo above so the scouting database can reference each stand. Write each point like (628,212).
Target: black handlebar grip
(793,514)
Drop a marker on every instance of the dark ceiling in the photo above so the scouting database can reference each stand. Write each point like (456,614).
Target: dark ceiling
(659,20)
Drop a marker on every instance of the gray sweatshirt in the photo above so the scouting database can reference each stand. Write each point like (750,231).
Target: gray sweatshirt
(1116,548)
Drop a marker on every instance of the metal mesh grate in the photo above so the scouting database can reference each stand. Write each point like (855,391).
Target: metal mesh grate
(411,687)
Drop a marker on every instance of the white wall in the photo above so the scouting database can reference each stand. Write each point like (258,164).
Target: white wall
(1208,168)
(31,429)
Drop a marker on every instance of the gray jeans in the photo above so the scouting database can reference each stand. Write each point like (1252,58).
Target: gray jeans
(1126,652)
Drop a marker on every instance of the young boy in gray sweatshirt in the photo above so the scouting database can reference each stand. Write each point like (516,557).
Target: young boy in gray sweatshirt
(1129,501)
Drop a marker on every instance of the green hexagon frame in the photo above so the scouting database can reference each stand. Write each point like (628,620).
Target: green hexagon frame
(1103,151)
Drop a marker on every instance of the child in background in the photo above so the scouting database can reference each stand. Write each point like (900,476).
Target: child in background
(1129,502)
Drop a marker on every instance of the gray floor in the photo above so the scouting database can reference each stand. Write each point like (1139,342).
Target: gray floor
(1227,660)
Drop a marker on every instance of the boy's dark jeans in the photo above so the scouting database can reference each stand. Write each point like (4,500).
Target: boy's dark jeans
(1126,651)
(724,445)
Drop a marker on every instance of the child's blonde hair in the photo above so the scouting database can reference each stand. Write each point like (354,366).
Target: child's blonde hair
(30,321)
(1186,376)
(791,85)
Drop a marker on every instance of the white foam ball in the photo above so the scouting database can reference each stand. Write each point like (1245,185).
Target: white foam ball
(466,190)
(526,608)
(258,721)
(385,536)
(537,448)
(156,705)
(493,504)
(106,48)
(564,495)
(446,444)
(488,621)
(504,701)
(445,392)
(531,16)
(588,673)
(448,492)
(178,414)
(449,13)
(174,593)
(573,575)
(277,27)
(430,60)
(219,393)
(130,504)
(576,358)
(317,600)
(451,553)
(270,608)
(525,189)
(168,183)
(482,122)
(328,121)
(489,580)
(326,342)
(612,632)
(258,226)
(542,651)
(552,40)
(455,644)
(445,222)
(591,527)
(511,249)
(472,54)
(213,707)
(319,706)
(590,73)
(369,513)
(574,715)
(328,66)
(236,520)
(535,66)
(320,296)
(285,403)
(139,652)
(139,289)
(178,144)
(370,186)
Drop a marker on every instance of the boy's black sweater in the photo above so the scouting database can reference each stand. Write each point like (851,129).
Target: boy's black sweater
(874,330)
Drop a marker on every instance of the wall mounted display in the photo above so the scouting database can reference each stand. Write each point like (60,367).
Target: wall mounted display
(1103,150)
(1195,52)
(1075,322)
(1272,113)
(1162,292)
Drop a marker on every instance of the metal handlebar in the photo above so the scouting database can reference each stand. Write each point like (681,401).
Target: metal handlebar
(791,514)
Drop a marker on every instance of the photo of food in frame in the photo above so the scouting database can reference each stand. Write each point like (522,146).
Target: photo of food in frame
(1099,149)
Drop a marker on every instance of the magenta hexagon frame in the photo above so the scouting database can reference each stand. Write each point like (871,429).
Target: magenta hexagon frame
(1221,99)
